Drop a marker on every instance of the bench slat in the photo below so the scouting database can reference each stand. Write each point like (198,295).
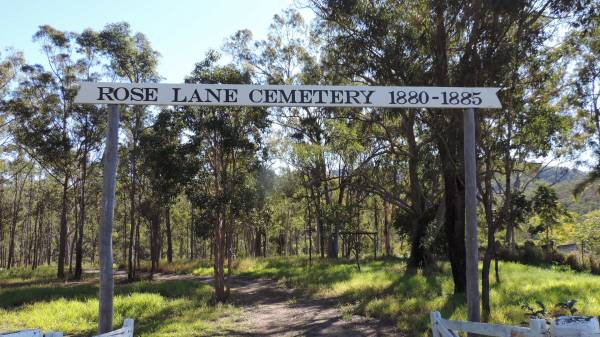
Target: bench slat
(125,331)
(22,333)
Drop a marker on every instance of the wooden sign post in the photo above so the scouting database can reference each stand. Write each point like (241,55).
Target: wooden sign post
(285,96)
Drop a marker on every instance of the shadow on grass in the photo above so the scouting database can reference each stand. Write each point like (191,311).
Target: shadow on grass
(298,273)
(17,296)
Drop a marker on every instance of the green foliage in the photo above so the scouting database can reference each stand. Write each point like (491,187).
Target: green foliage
(586,232)
(166,161)
(9,67)
(131,55)
(545,204)
(173,308)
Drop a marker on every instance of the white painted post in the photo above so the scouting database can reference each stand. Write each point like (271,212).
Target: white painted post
(109,176)
(128,326)
(473,306)
(538,328)
(53,334)
(438,328)
(433,317)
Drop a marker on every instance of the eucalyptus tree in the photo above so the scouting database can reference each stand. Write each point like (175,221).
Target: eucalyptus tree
(531,124)
(131,57)
(48,122)
(373,44)
(456,43)
(545,204)
(9,69)
(168,167)
(290,55)
(226,142)
(582,51)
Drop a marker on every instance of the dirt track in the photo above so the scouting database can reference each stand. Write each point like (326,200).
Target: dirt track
(270,309)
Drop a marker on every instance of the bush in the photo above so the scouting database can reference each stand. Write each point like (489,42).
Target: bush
(594,266)
(574,263)
(557,257)
(505,254)
(530,254)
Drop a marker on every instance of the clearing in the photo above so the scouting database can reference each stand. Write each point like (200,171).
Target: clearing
(269,308)
(283,297)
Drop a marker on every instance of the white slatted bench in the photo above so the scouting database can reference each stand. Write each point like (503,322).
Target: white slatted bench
(448,328)
(125,331)
(31,333)
(537,328)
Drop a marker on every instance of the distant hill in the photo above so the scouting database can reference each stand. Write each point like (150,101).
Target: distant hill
(564,180)
(556,174)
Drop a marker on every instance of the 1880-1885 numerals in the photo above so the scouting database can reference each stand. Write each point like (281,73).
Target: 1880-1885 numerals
(447,97)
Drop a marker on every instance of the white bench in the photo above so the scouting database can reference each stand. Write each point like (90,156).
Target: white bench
(31,333)
(448,328)
(537,328)
(125,331)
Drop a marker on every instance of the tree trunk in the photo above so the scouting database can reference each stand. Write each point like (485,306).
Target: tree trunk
(37,233)
(109,177)
(132,194)
(454,224)
(62,249)
(15,217)
(169,234)
(192,234)
(219,257)
(450,153)
(155,237)
(386,228)
(81,224)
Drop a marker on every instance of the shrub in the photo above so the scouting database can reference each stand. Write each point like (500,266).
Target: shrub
(574,263)
(557,257)
(530,254)
(594,266)
(505,254)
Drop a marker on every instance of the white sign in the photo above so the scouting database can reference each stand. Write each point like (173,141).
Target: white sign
(287,95)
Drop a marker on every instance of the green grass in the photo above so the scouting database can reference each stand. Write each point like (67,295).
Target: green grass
(383,289)
(173,308)
(21,275)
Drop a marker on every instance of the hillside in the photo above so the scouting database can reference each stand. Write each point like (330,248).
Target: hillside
(564,180)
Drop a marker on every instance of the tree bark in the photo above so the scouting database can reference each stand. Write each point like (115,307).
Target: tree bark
(219,256)
(169,234)
(132,195)
(15,217)
(386,228)
(451,158)
(79,244)
(62,249)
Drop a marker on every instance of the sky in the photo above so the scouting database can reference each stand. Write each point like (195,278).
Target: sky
(182,31)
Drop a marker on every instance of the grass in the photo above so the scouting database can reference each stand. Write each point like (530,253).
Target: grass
(383,289)
(21,275)
(168,308)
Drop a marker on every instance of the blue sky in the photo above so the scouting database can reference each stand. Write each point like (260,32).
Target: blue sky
(182,31)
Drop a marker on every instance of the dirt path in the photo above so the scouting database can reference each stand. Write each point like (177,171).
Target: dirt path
(270,309)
